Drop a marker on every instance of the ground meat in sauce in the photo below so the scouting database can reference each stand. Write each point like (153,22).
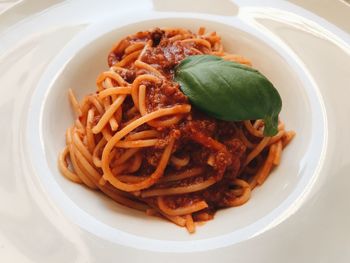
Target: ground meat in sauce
(156,36)
(127,74)
(167,55)
(167,93)
(164,55)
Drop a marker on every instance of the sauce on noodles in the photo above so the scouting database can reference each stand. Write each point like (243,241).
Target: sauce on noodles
(138,140)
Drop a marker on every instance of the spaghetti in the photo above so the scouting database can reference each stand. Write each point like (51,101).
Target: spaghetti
(138,140)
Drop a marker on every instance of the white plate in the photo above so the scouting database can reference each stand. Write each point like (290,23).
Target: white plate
(300,214)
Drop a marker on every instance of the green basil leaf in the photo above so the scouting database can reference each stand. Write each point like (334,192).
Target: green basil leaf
(229,91)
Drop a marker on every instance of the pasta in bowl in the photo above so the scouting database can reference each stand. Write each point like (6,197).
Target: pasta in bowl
(142,140)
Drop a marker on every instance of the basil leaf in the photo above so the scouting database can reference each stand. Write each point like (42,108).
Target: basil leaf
(229,91)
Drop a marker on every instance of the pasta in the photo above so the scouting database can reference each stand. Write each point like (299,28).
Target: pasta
(138,140)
